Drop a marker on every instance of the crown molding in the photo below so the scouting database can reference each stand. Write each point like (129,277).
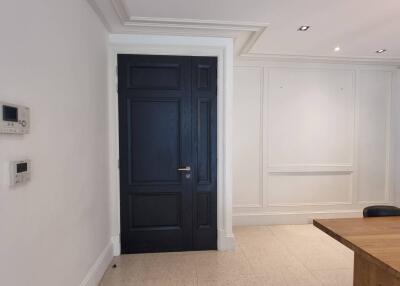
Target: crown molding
(100,14)
(127,20)
(318,59)
(121,11)
(251,41)
(193,24)
(216,28)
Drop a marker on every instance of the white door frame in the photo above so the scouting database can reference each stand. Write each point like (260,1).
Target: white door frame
(222,48)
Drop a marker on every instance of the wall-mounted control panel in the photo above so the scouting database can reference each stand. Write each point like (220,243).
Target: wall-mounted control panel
(20,172)
(14,119)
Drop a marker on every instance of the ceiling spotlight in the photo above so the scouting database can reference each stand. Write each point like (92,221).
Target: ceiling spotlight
(337,49)
(303,28)
(380,51)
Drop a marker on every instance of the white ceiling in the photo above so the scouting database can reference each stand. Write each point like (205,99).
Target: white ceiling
(268,28)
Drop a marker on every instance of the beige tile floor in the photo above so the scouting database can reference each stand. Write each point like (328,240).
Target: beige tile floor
(287,255)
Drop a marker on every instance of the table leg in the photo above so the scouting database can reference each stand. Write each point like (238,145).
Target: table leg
(370,274)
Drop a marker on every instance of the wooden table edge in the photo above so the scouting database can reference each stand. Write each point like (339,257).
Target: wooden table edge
(356,249)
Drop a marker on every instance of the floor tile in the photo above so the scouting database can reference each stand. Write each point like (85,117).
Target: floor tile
(284,255)
(337,277)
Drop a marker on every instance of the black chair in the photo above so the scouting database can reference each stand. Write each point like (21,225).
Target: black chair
(378,211)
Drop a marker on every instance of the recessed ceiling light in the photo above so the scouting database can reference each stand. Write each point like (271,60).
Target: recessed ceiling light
(380,51)
(337,49)
(303,28)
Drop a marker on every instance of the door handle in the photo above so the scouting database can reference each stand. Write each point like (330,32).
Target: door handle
(185,169)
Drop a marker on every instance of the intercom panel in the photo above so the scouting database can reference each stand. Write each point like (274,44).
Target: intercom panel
(20,172)
(14,119)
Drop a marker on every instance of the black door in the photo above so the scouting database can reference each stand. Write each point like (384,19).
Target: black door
(168,152)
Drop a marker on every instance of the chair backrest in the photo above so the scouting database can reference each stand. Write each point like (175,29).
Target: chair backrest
(378,211)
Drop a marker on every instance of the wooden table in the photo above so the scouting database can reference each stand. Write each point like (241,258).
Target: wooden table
(376,246)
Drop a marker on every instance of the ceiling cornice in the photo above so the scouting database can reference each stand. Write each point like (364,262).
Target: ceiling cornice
(100,14)
(127,21)
(174,26)
(320,59)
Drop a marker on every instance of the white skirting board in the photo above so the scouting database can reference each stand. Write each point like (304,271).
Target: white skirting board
(98,269)
(116,242)
(225,241)
(273,218)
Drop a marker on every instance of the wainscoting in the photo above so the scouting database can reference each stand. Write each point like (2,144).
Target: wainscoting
(310,141)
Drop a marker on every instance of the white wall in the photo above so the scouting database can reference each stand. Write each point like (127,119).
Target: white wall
(310,141)
(53,59)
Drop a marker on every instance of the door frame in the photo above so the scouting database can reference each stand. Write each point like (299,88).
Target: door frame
(222,48)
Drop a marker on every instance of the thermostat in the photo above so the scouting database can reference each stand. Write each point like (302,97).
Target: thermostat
(14,119)
(20,172)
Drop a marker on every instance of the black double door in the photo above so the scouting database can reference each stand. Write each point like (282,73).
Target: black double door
(168,152)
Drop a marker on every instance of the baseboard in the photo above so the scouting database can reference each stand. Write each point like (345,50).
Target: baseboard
(116,242)
(225,241)
(98,269)
(272,218)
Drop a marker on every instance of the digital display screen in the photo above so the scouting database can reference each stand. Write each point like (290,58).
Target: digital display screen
(10,113)
(22,167)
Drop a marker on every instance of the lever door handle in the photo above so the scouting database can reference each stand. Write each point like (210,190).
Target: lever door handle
(185,169)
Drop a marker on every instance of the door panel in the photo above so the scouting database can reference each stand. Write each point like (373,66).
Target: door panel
(143,216)
(204,90)
(204,142)
(167,121)
(155,140)
(168,76)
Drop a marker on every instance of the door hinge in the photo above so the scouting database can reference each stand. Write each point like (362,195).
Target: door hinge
(118,164)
